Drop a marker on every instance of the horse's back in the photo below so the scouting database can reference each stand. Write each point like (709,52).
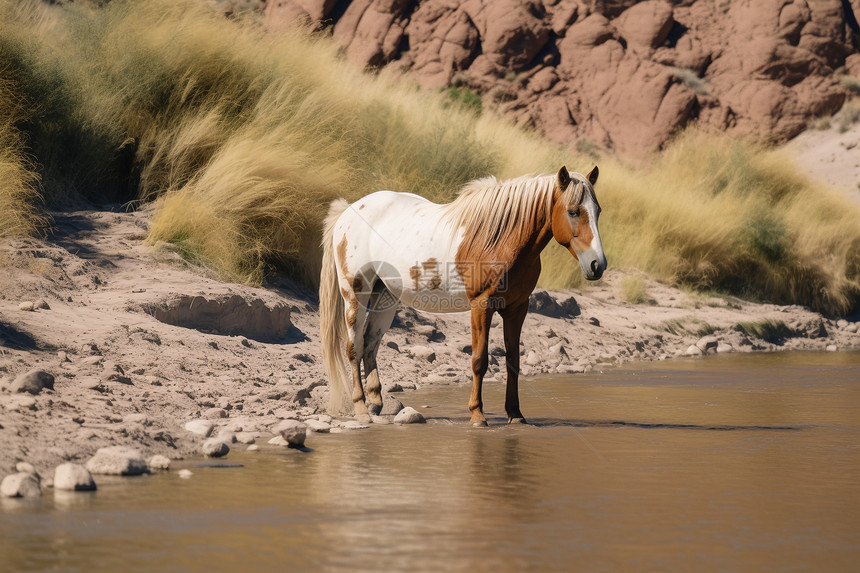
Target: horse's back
(409,242)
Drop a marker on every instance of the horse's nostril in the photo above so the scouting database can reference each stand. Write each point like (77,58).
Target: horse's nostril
(594,266)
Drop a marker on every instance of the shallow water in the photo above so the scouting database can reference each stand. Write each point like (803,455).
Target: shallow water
(745,463)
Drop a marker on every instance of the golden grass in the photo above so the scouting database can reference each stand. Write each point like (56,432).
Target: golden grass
(243,137)
(732,216)
(19,192)
(633,290)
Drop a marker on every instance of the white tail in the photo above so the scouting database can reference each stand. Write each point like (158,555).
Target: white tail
(333,321)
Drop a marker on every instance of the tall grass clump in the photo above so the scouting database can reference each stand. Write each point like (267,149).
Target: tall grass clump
(243,137)
(19,192)
(713,212)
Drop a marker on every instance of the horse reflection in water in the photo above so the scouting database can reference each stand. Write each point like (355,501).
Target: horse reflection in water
(479,253)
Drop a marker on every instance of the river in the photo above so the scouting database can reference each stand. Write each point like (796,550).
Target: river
(742,463)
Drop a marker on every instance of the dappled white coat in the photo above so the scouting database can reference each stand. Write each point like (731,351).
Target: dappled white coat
(407,242)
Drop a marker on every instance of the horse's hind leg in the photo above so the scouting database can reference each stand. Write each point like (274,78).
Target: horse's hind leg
(356,316)
(383,306)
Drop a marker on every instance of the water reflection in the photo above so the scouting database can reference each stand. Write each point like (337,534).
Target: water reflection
(739,464)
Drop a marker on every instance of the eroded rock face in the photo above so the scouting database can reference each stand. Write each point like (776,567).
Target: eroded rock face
(622,75)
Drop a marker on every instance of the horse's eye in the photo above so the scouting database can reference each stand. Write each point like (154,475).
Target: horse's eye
(573,213)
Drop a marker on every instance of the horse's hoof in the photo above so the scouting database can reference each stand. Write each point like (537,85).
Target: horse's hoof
(517,421)
(374,409)
(480,424)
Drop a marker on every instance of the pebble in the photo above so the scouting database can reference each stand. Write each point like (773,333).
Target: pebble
(324,418)
(26,468)
(27,306)
(390,406)
(42,304)
(253,448)
(380,420)
(409,415)
(185,474)
(92,360)
(841,323)
(832,348)
(21,484)
(724,348)
(851,328)
(293,431)
(245,437)
(693,350)
(214,448)
(73,477)
(159,462)
(63,356)
(353,425)
(215,413)
(532,359)
(317,426)
(226,436)
(200,427)
(420,352)
(33,382)
(707,343)
(278,441)
(117,460)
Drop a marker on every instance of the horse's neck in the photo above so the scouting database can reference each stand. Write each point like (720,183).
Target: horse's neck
(527,248)
(538,239)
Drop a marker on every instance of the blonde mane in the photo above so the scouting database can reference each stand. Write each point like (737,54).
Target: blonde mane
(489,211)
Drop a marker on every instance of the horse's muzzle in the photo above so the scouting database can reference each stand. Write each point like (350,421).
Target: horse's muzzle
(592,265)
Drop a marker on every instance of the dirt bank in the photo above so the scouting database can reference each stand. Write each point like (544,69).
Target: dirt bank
(140,342)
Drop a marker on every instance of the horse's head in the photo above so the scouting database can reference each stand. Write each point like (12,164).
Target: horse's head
(574,221)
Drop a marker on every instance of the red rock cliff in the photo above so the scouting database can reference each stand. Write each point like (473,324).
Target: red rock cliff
(620,74)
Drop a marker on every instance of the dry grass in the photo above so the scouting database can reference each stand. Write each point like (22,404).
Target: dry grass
(19,191)
(633,290)
(728,215)
(242,138)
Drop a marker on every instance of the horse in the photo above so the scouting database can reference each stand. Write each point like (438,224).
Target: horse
(480,253)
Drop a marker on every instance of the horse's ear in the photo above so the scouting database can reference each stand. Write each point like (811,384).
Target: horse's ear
(563,178)
(592,175)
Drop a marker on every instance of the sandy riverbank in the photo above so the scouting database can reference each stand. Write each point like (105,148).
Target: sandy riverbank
(247,358)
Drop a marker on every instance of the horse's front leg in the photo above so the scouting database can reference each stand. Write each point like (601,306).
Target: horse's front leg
(513,323)
(481,318)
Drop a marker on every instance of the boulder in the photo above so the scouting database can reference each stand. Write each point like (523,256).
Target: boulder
(693,350)
(409,415)
(317,426)
(620,75)
(390,405)
(117,460)
(214,448)
(708,344)
(73,477)
(33,382)
(419,352)
(21,484)
(215,414)
(200,427)
(293,431)
(159,462)
(646,25)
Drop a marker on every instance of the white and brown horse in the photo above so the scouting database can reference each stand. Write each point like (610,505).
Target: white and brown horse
(479,253)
